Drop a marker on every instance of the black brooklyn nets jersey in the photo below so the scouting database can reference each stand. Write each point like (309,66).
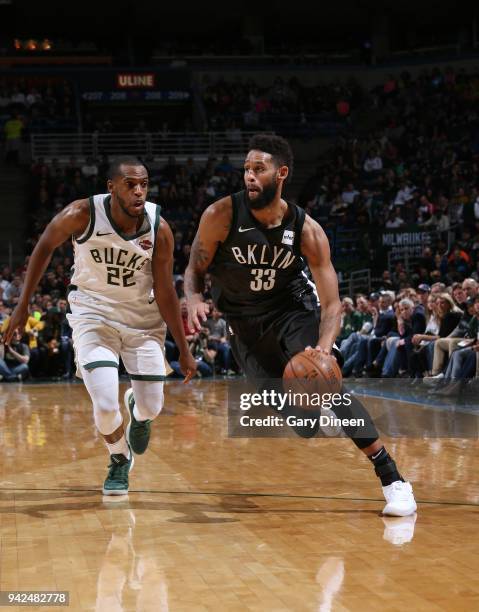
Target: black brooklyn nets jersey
(258,270)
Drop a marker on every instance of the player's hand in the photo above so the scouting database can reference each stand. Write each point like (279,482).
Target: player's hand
(18,320)
(197,314)
(322,350)
(187,366)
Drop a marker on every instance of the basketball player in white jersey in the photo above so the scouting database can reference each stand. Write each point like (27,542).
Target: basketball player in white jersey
(121,296)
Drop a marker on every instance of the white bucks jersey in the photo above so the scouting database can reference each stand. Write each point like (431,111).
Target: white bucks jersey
(112,274)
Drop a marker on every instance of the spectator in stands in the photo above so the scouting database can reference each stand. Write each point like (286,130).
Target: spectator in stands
(14,359)
(396,359)
(89,169)
(217,338)
(351,320)
(394,219)
(439,221)
(12,292)
(13,129)
(373,162)
(349,194)
(198,343)
(463,365)
(404,194)
(423,291)
(387,283)
(445,347)
(458,263)
(449,316)
(5,277)
(463,362)
(471,287)
(369,346)
(364,317)
(459,296)
(338,210)
(438,287)
(33,328)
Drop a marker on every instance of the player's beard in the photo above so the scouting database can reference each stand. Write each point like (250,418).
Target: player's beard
(123,207)
(265,197)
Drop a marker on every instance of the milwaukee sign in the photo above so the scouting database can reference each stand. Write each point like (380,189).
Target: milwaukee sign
(135,81)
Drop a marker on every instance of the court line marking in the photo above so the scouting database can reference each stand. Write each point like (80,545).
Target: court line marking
(426,402)
(252,494)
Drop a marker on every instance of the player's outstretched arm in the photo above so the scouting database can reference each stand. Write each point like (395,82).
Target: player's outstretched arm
(71,221)
(315,248)
(215,224)
(166,298)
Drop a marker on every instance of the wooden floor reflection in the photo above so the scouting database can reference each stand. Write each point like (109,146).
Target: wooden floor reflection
(216,523)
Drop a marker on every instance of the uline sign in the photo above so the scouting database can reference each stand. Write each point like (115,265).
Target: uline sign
(131,80)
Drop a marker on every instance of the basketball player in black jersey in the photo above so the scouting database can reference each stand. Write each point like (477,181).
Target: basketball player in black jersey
(256,247)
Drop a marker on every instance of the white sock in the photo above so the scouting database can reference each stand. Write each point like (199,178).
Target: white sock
(120,447)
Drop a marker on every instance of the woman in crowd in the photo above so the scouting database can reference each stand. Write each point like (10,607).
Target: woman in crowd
(448,316)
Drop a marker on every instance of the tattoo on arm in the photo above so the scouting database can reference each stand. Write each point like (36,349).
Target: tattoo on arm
(199,256)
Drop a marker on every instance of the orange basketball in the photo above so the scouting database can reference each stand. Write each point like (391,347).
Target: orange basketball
(319,372)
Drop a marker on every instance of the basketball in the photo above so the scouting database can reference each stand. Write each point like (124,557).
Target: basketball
(320,373)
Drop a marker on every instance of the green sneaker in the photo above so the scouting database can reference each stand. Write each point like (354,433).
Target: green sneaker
(137,432)
(116,483)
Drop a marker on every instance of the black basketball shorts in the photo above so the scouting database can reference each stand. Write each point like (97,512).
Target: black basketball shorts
(262,346)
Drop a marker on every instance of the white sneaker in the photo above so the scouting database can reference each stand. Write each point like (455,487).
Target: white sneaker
(432,380)
(399,531)
(399,499)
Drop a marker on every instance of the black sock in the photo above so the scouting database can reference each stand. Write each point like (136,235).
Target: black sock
(385,467)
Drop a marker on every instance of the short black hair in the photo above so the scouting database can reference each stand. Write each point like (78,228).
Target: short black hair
(117,162)
(277,147)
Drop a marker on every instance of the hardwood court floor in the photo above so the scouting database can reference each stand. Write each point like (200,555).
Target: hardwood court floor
(215,523)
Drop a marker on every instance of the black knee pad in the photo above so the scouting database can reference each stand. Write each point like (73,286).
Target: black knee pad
(362,435)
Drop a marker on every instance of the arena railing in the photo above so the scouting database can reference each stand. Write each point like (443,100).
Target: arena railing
(148,145)
(357,281)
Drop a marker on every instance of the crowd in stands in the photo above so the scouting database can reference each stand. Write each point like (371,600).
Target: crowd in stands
(45,348)
(431,332)
(280,50)
(418,164)
(249,104)
(418,167)
(37,97)
(33,104)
